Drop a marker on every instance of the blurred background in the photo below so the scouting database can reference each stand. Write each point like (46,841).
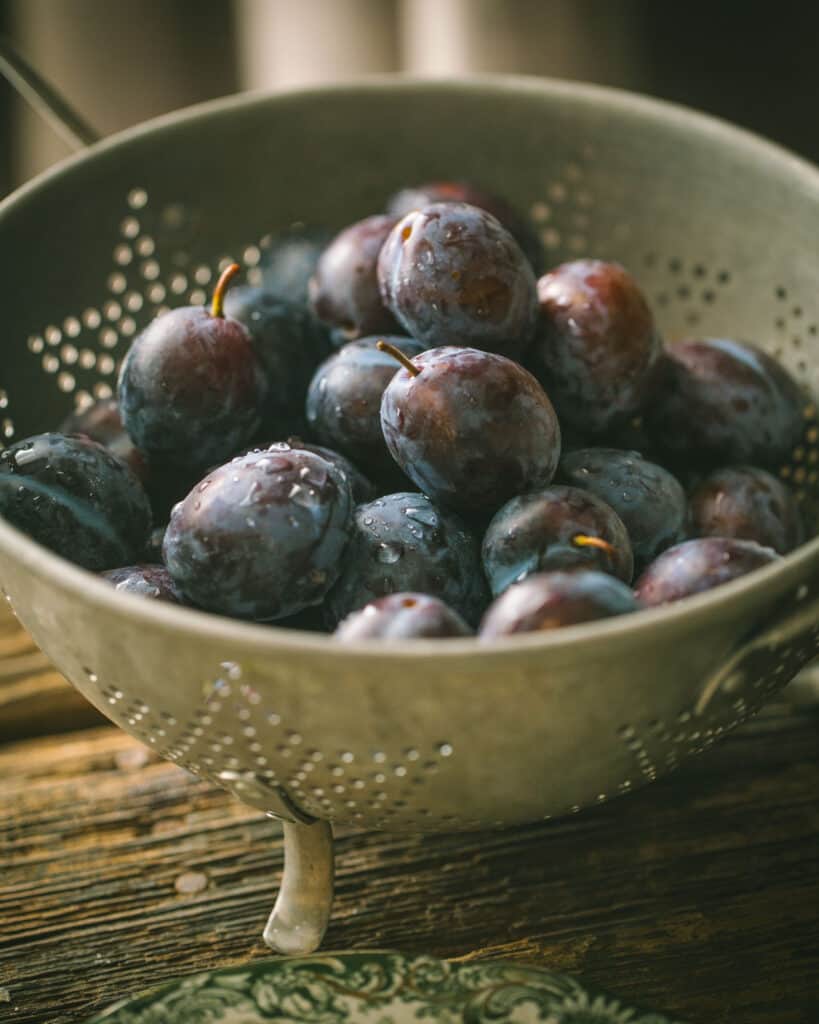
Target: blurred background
(122,61)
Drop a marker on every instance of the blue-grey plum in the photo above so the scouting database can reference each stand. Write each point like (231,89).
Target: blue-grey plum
(344,400)
(290,343)
(650,501)
(551,600)
(453,275)
(558,528)
(75,497)
(288,260)
(261,537)
(471,429)
(402,542)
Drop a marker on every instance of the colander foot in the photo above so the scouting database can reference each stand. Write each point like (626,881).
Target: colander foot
(299,918)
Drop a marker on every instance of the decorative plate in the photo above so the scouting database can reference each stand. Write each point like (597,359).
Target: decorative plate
(376,988)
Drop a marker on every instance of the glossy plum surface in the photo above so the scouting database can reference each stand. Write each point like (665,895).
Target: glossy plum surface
(262,536)
(453,275)
(550,600)
(101,421)
(344,290)
(471,429)
(402,617)
(698,565)
(409,199)
(75,497)
(650,501)
(289,343)
(550,530)
(720,400)
(152,581)
(191,389)
(748,503)
(361,487)
(344,400)
(596,346)
(402,542)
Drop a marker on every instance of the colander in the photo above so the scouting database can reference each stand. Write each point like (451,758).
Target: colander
(721,230)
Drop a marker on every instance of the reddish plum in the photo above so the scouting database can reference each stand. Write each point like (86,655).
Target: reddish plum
(551,600)
(597,344)
(453,275)
(698,565)
(471,429)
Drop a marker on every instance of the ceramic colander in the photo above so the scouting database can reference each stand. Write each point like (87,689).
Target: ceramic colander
(721,230)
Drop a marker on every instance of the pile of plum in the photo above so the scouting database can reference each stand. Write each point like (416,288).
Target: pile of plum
(404,431)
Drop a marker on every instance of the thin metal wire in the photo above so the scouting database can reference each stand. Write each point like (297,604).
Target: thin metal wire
(44,98)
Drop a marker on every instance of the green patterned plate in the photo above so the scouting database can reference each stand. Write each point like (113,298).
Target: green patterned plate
(376,988)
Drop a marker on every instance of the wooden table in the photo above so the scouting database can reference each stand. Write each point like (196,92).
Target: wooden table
(698,896)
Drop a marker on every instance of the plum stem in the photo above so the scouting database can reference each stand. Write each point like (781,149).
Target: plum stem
(217,307)
(398,355)
(582,540)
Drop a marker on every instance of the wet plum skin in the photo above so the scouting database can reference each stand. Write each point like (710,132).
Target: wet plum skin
(747,503)
(472,429)
(724,401)
(534,533)
(409,199)
(361,487)
(453,275)
(650,501)
(261,537)
(191,388)
(152,581)
(597,345)
(289,344)
(402,542)
(402,617)
(699,565)
(551,600)
(102,422)
(344,290)
(75,497)
(344,400)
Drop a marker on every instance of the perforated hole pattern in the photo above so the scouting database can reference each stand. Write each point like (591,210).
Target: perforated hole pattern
(233,736)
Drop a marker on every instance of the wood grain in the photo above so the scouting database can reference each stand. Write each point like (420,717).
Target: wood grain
(35,699)
(697,895)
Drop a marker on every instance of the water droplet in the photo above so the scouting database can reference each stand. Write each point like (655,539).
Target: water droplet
(368,521)
(388,554)
(423,514)
(252,493)
(203,486)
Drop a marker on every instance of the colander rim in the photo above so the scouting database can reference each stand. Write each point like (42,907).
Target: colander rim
(266,636)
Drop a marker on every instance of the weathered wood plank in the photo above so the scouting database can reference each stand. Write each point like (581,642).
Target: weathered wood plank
(35,700)
(699,895)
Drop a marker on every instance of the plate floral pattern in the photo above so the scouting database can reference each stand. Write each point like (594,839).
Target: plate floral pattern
(376,988)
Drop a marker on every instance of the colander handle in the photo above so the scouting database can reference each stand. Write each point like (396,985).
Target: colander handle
(772,657)
(44,98)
